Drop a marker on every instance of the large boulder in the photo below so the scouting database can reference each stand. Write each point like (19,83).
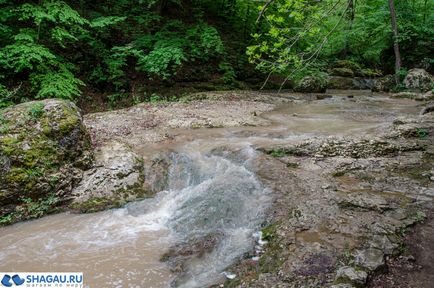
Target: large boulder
(44,148)
(384,84)
(419,79)
(347,83)
(311,84)
(339,82)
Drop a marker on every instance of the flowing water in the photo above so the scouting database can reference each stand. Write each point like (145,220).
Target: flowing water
(211,191)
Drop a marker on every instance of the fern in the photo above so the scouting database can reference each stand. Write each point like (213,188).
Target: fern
(102,22)
(205,42)
(56,84)
(22,56)
(162,61)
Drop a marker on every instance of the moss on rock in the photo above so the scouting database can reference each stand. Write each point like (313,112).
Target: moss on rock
(41,138)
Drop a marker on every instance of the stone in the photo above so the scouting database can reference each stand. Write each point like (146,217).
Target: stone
(406,94)
(383,243)
(339,82)
(419,79)
(44,148)
(347,64)
(344,72)
(311,84)
(370,258)
(342,286)
(363,201)
(384,84)
(427,109)
(117,178)
(351,275)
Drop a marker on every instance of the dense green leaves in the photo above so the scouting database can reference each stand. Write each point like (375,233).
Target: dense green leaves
(54,48)
(298,35)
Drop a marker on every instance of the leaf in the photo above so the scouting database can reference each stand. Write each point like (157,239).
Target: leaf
(102,22)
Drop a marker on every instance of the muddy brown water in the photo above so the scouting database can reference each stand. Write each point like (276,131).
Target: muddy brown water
(123,247)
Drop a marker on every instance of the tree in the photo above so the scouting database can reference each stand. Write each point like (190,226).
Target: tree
(395,39)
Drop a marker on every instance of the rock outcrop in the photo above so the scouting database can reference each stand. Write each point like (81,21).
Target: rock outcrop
(311,84)
(44,148)
(384,84)
(419,79)
(119,177)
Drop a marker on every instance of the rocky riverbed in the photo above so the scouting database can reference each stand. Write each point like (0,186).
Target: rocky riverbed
(347,175)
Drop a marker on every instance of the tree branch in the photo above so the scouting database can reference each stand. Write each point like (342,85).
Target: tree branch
(261,13)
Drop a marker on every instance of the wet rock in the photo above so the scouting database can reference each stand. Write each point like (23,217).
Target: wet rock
(363,83)
(427,109)
(118,177)
(370,258)
(347,83)
(408,95)
(419,79)
(364,202)
(384,84)
(346,147)
(311,84)
(339,82)
(156,172)
(44,147)
(351,275)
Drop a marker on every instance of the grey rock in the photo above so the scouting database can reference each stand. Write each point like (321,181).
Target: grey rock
(342,286)
(311,84)
(117,178)
(370,258)
(427,109)
(419,79)
(384,84)
(350,274)
(47,140)
(364,201)
(382,242)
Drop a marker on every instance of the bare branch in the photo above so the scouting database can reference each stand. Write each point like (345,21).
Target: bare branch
(261,13)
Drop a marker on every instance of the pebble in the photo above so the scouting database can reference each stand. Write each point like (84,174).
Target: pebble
(229,275)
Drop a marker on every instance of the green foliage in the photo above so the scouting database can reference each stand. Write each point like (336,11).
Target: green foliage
(24,56)
(296,35)
(162,61)
(106,21)
(53,84)
(205,42)
(422,133)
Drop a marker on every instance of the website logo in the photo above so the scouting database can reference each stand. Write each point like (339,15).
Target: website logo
(46,279)
(7,280)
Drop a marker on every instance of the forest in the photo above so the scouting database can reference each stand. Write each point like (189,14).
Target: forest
(117,53)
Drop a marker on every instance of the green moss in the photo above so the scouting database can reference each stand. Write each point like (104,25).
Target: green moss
(36,110)
(96,204)
(269,231)
(338,173)
(277,153)
(272,259)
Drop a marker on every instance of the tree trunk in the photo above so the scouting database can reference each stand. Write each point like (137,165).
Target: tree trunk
(350,16)
(395,40)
